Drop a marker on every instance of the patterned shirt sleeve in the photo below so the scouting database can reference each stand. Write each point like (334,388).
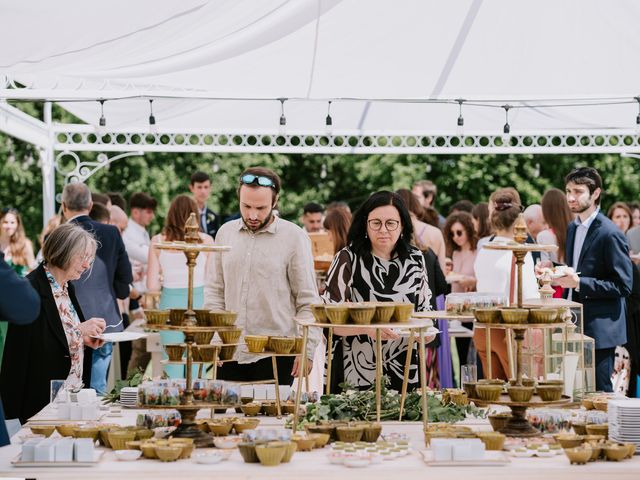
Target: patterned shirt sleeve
(339,278)
(423,297)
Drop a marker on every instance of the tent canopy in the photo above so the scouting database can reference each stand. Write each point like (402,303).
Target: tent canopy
(386,66)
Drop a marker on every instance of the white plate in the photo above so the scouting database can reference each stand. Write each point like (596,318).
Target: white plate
(550,453)
(115,337)
(97,455)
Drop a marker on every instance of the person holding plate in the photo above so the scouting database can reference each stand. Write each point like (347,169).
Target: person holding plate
(53,346)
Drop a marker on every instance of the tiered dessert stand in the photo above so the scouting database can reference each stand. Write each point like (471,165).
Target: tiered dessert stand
(518,425)
(191,247)
(414,325)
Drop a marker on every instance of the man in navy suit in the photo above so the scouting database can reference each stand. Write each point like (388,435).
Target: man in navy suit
(599,251)
(19,304)
(99,288)
(200,188)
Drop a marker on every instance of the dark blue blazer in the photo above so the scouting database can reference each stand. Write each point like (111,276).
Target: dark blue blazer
(213,222)
(99,288)
(606,277)
(20,305)
(37,353)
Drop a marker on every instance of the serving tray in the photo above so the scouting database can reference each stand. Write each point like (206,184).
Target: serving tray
(491,459)
(97,455)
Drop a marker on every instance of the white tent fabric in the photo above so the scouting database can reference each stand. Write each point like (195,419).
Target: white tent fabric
(221,65)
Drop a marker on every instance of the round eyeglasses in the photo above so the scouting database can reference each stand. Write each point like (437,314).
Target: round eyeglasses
(375,224)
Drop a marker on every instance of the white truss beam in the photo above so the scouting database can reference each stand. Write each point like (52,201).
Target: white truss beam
(22,126)
(77,138)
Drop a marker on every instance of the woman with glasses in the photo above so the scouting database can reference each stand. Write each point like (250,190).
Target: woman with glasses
(52,347)
(168,273)
(461,241)
(378,265)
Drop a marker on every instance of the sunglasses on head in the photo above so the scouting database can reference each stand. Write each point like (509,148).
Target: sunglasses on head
(262,181)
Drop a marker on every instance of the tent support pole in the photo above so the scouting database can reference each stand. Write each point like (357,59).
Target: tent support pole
(48,170)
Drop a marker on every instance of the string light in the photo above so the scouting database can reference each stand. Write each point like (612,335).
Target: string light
(506,130)
(283,119)
(460,123)
(102,123)
(328,122)
(638,116)
(152,119)
(460,126)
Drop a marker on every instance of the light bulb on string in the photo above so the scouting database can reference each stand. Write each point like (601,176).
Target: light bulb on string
(153,128)
(460,125)
(637,129)
(102,122)
(506,129)
(282,127)
(328,122)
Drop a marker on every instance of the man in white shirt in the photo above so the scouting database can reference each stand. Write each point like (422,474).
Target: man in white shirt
(200,188)
(136,238)
(137,241)
(267,277)
(312,216)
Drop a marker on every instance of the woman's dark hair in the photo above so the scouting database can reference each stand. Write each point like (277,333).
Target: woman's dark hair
(358,239)
(481,214)
(466,220)
(338,221)
(557,215)
(506,208)
(181,207)
(430,216)
(411,202)
(462,206)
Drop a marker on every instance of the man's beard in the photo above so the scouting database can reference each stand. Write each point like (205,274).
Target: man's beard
(582,207)
(262,225)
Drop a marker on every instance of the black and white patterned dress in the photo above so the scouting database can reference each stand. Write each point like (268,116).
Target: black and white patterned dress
(354,278)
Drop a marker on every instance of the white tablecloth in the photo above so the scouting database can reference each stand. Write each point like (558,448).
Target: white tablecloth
(314,465)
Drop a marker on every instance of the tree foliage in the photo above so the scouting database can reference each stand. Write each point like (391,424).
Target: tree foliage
(319,178)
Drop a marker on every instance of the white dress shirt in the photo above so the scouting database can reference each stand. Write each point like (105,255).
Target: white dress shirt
(493,273)
(137,241)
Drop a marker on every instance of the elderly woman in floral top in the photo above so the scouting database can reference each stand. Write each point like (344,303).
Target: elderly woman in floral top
(53,346)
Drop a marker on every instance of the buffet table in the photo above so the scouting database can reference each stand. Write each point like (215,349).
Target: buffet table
(315,465)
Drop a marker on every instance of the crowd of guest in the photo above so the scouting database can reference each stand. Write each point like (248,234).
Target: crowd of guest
(98,268)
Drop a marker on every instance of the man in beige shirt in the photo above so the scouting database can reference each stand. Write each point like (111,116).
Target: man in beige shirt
(267,277)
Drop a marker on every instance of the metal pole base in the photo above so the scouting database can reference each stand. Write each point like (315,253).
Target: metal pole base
(189,429)
(518,425)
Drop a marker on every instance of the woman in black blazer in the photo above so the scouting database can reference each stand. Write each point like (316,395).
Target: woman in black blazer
(52,347)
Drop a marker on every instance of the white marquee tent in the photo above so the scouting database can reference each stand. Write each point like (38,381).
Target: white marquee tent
(221,73)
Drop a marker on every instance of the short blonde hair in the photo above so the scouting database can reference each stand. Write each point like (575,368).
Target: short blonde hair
(65,242)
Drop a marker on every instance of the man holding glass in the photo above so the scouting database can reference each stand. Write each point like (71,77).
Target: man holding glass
(267,277)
